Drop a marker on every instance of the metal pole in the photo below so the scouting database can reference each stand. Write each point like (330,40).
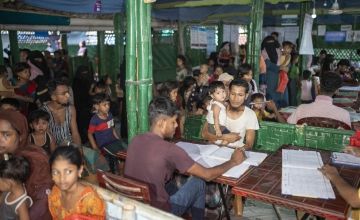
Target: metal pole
(101,53)
(14,47)
(130,84)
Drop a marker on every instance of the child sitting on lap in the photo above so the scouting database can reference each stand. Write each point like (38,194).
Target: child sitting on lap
(216,115)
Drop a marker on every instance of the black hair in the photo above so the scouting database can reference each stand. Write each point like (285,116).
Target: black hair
(38,114)
(196,73)
(53,84)
(69,153)
(323,52)
(306,74)
(343,62)
(287,43)
(161,106)
(100,85)
(99,98)
(10,101)
(239,82)
(3,69)
(214,85)
(330,82)
(244,69)
(167,87)
(19,67)
(25,50)
(257,96)
(57,52)
(182,58)
(15,168)
(275,33)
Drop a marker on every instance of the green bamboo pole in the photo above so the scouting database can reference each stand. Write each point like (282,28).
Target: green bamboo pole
(304,8)
(259,13)
(101,53)
(143,65)
(220,34)
(119,44)
(14,47)
(130,86)
(1,51)
(150,67)
(64,41)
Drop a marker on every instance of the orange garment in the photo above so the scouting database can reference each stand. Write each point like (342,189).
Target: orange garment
(89,204)
(283,81)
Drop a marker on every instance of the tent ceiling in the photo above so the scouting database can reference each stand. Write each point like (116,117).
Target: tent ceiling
(206,11)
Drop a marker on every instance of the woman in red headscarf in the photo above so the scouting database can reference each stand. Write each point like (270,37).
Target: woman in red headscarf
(13,140)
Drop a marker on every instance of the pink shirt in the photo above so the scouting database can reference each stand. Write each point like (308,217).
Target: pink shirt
(322,107)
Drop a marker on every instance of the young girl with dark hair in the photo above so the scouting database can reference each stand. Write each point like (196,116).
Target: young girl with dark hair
(69,198)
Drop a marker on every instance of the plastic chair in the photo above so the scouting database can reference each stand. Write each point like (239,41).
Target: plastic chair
(124,186)
(323,122)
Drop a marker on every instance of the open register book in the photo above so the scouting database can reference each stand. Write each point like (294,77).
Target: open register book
(301,177)
(212,155)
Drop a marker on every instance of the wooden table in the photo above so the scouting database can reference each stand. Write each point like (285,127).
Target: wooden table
(263,183)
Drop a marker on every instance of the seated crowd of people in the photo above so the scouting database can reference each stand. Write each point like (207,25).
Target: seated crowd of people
(44,122)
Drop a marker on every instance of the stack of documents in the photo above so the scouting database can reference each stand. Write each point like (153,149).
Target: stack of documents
(301,177)
(347,159)
(213,155)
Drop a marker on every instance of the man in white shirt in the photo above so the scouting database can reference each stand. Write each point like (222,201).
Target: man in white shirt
(240,120)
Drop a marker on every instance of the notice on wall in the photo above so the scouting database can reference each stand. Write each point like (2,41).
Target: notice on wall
(356,36)
(291,34)
(349,36)
(347,27)
(321,30)
(306,45)
(198,37)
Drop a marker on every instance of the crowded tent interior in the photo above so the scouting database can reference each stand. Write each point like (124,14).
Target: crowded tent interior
(179,109)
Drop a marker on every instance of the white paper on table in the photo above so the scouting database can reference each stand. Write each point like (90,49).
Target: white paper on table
(345,158)
(306,183)
(301,175)
(301,159)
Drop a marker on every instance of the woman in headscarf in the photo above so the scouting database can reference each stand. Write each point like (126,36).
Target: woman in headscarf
(270,50)
(13,140)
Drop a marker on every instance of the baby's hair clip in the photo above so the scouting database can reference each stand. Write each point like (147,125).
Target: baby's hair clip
(6,157)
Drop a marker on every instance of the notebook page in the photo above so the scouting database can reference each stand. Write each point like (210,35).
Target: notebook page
(234,172)
(253,158)
(301,159)
(305,183)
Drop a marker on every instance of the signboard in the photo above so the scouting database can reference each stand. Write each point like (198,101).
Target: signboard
(289,20)
(198,37)
(335,36)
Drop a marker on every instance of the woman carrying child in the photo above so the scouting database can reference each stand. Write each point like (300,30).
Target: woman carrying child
(14,201)
(13,140)
(69,198)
